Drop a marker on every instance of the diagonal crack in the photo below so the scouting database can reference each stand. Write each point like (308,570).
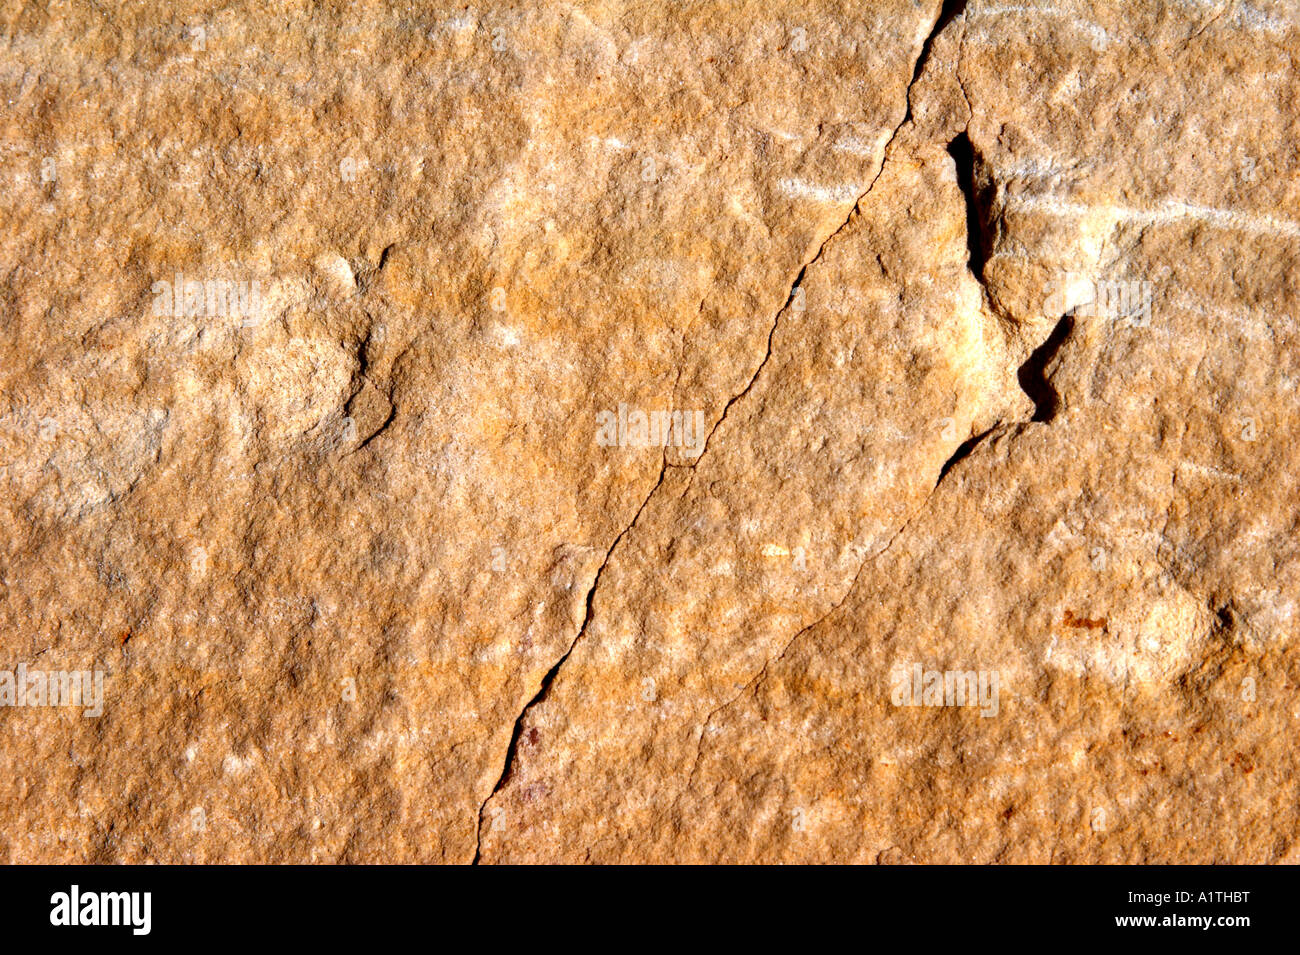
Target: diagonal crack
(776,320)
(949,10)
(549,678)
(963,450)
(868,559)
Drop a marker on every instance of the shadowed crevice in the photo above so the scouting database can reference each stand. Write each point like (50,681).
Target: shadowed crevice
(963,450)
(950,11)
(977,193)
(1033,373)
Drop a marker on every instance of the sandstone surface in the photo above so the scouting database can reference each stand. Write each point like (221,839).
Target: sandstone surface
(569,432)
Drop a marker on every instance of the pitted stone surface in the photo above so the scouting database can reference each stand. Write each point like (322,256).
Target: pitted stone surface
(535,432)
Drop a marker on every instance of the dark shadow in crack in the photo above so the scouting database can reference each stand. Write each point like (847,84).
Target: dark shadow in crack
(963,154)
(1033,373)
(1226,618)
(950,11)
(1033,379)
(963,450)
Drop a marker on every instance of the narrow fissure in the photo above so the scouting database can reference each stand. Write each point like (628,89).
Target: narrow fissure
(545,687)
(1033,373)
(963,450)
(949,11)
(977,242)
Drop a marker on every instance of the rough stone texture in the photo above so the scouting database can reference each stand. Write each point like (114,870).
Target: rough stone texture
(368,586)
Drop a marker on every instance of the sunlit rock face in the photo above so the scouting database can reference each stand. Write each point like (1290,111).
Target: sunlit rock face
(613,432)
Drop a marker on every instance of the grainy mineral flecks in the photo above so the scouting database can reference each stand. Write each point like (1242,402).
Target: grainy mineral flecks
(616,432)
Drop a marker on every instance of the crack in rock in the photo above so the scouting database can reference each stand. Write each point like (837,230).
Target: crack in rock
(949,11)
(1033,373)
(508,769)
(962,152)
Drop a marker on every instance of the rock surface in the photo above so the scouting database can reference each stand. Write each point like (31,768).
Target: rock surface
(334,337)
